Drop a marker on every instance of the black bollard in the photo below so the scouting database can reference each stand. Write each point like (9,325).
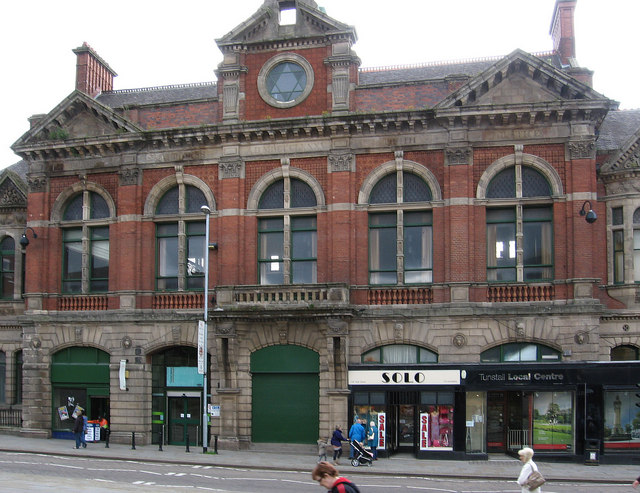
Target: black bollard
(133,440)
(188,443)
(107,432)
(215,444)
(161,438)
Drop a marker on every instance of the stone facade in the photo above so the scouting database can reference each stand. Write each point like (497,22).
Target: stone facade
(341,135)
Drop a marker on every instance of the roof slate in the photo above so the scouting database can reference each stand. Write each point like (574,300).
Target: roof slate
(617,128)
(159,95)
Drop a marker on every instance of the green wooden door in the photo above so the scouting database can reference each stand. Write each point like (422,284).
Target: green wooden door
(285,387)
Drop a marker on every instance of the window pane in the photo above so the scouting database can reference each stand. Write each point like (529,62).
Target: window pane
(427,356)
(624,353)
(616,216)
(415,189)
(302,194)
(195,255)
(417,247)
(511,352)
(491,355)
(529,352)
(73,212)
(271,250)
(537,247)
(99,275)
(286,81)
(273,196)
(503,185)
(99,207)
(304,272)
(372,356)
(195,199)
(167,251)
(399,353)
(169,202)
(382,255)
(7,259)
(618,256)
(534,184)
(72,261)
(385,191)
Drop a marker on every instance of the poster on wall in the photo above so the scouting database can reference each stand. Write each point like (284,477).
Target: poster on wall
(77,411)
(621,420)
(424,431)
(382,429)
(63,413)
(553,421)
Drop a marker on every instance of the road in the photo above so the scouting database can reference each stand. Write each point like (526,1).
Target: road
(39,473)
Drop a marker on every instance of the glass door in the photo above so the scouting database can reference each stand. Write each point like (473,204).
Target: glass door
(406,427)
(184,420)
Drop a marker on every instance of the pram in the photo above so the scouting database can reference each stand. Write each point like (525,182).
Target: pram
(362,456)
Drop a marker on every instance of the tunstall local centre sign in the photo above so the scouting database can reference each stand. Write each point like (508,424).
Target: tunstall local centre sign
(404,377)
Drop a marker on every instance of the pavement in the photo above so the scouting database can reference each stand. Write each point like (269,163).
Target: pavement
(303,458)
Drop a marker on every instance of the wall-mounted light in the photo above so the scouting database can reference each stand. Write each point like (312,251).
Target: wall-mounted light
(24,241)
(590,215)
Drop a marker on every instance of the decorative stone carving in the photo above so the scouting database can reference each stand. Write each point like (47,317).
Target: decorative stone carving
(337,326)
(176,332)
(78,332)
(11,196)
(582,150)
(129,176)
(458,156)
(581,338)
(231,169)
(35,343)
(341,162)
(340,91)
(224,329)
(398,332)
(459,340)
(628,185)
(230,95)
(629,162)
(37,183)
(520,329)
(126,342)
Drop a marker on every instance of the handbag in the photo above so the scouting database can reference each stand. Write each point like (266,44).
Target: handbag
(535,480)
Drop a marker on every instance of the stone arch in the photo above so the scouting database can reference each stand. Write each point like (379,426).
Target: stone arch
(160,188)
(530,160)
(277,174)
(63,198)
(391,167)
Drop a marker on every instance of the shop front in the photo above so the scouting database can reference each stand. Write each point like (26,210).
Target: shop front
(561,410)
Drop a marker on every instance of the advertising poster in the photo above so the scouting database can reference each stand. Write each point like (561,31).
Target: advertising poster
(382,431)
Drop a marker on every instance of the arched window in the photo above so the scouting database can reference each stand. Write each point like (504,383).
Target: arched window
(287,233)
(519,352)
(7,267)
(402,216)
(519,200)
(398,354)
(624,353)
(85,243)
(180,239)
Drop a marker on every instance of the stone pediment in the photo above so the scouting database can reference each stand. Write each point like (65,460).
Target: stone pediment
(13,191)
(264,25)
(626,159)
(77,117)
(517,79)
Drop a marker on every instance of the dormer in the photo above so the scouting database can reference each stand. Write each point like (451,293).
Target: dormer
(288,59)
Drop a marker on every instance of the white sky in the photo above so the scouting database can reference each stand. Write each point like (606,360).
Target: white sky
(158,42)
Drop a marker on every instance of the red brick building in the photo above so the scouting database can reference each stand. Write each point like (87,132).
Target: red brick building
(404,245)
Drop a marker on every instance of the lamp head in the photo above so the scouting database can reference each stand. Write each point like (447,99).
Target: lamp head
(205,209)
(24,241)
(589,215)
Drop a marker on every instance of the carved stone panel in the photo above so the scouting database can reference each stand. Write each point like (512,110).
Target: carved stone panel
(341,161)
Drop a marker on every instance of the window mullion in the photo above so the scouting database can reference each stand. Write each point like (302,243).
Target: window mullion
(519,244)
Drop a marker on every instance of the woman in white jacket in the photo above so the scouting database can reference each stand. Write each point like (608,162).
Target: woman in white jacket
(528,466)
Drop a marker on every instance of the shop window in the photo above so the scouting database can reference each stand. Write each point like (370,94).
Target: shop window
(621,420)
(287,242)
(398,354)
(370,406)
(401,224)
(534,220)
(7,267)
(553,416)
(519,352)
(85,244)
(624,353)
(436,421)
(180,239)
(475,442)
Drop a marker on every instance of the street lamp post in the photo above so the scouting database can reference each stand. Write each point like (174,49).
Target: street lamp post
(207,212)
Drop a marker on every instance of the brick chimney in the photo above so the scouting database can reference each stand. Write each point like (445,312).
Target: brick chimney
(562,30)
(93,74)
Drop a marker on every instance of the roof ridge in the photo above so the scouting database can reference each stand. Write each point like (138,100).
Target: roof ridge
(441,63)
(155,88)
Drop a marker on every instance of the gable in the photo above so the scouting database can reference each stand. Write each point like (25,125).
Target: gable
(520,78)
(77,117)
(13,192)
(264,25)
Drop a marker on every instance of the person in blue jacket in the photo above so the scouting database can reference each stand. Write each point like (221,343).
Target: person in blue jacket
(336,440)
(357,433)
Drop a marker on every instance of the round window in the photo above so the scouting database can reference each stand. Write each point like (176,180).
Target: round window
(285,80)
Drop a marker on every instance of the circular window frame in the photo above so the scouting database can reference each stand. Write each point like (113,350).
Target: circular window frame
(270,64)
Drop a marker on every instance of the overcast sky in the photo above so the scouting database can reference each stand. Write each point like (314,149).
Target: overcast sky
(157,42)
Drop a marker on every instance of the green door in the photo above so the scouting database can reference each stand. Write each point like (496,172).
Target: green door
(285,387)
(184,420)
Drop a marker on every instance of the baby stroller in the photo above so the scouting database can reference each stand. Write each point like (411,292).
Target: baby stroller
(362,456)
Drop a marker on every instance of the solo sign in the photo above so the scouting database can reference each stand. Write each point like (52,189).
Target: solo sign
(404,377)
